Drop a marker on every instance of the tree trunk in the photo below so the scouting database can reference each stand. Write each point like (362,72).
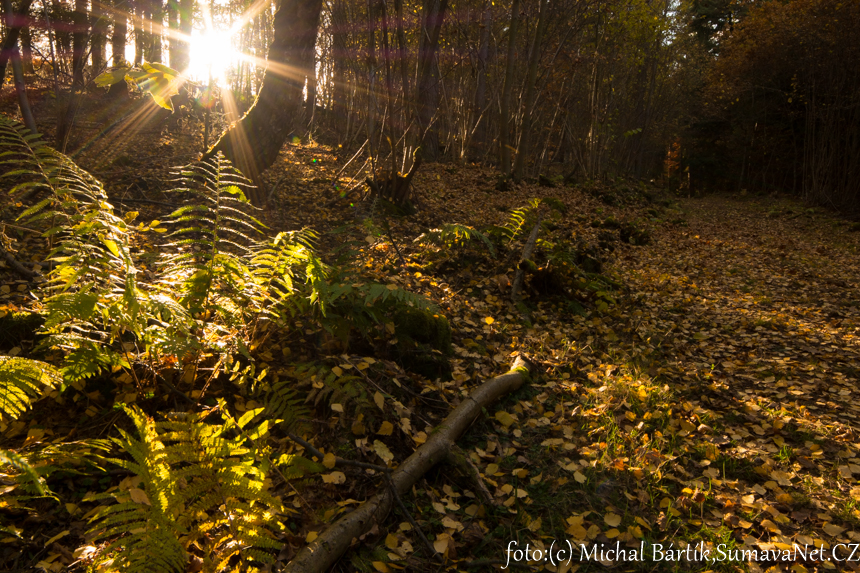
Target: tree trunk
(505,115)
(79,42)
(12,28)
(173,26)
(253,142)
(157,26)
(14,23)
(27,50)
(427,92)
(531,90)
(99,25)
(119,37)
(481,87)
(183,48)
(21,91)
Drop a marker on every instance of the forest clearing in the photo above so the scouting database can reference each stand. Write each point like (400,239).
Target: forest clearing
(429,286)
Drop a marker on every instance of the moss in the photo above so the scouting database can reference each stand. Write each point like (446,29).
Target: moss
(424,327)
(18,326)
(424,342)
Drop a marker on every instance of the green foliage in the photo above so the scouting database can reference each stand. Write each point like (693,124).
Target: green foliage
(199,487)
(22,380)
(522,220)
(453,235)
(213,240)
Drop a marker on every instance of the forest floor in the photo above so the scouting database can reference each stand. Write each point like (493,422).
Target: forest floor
(705,395)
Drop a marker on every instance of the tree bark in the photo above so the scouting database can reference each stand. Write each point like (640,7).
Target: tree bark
(253,143)
(79,42)
(157,31)
(99,26)
(519,278)
(427,89)
(183,48)
(119,36)
(531,90)
(505,115)
(481,87)
(173,26)
(21,91)
(17,69)
(27,50)
(326,549)
(15,20)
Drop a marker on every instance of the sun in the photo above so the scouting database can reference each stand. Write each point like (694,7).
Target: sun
(210,50)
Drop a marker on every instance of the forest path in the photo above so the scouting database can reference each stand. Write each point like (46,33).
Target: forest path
(716,403)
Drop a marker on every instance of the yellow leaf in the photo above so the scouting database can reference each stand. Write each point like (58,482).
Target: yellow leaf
(334,478)
(441,543)
(380,566)
(309,538)
(112,247)
(504,418)
(337,371)
(612,519)
(391,541)
(579,477)
(491,469)
(379,400)
(329,460)
(138,496)
(337,407)
(386,428)
(612,533)
(452,523)
(520,473)
(489,320)
(382,451)
(60,535)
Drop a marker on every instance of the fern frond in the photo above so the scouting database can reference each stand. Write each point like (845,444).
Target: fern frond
(199,483)
(21,464)
(23,380)
(455,234)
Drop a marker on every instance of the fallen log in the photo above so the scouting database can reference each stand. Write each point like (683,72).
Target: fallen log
(326,549)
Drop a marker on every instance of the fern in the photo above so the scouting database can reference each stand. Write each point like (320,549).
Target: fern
(455,235)
(92,291)
(22,380)
(522,219)
(197,484)
(214,239)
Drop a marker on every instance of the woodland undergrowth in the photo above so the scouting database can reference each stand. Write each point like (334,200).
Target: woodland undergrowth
(161,379)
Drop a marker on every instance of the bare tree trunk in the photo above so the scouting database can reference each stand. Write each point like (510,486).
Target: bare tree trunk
(99,24)
(527,255)
(531,90)
(79,42)
(183,48)
(12,28)
(119,37)
(481,87)
(157,31)
(27,50)
(14,23)
(173,26)
(427,96)
(505,115)
(253,142)
(21,91)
